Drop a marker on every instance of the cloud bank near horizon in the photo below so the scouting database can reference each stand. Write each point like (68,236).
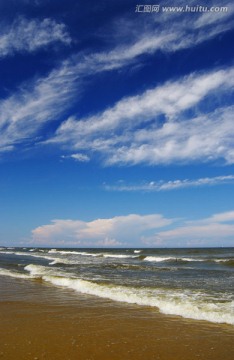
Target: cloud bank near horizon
(131,230)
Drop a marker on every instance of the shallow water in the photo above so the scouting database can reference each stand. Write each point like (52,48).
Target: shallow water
(192,283)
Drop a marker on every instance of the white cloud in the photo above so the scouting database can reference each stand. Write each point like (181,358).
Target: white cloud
(117,134)
(25,112)
(138,230)
(217,230)
(208,18)
(205,138)
(116,231)
(36,103)
(77,157)
(172,184)
(167,32)
(30,35)
(223,217)
(169,99)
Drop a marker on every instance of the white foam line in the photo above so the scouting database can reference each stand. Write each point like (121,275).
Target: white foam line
(63,252)
(119,256)
(42,256)
(158,258)
(171,258)
(34,255)
(63,261)
(5,272)
(7,252)
(224,260)
(166,303)
(188,305)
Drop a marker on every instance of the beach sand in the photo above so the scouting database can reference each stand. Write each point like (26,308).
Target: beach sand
(43,322)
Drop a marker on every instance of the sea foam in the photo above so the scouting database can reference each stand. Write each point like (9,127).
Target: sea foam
(186,304)
(14,274)
(119,256)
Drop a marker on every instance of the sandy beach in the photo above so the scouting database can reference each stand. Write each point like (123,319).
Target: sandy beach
(41,322)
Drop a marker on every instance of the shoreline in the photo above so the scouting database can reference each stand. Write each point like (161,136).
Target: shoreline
(53,324)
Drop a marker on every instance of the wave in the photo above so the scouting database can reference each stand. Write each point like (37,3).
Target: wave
(136,267)
(7,252)
(37,270)
(119,256)
(63,262)
(158,258)
(34,255)
(226,262)
(105,255)
(38,253)
(14,274)
(185,304)
(52,251)
(63,252)
(84,253)
(174,259)
(54,260)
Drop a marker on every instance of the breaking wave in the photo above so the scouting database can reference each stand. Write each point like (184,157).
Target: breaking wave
(188,305)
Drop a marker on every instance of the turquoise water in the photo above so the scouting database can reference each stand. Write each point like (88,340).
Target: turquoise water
(192,283)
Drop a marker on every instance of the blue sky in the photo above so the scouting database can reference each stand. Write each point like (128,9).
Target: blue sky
(116,126)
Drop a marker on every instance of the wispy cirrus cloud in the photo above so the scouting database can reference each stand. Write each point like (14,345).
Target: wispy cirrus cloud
(30,35)
(36,103)
(117,132)
(169,99)
(24,113)
(167,32)
(132,131)
(181,142)
(163,185)
(77,157)
(208,18)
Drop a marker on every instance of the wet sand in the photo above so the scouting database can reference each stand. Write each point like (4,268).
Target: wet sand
(41,322)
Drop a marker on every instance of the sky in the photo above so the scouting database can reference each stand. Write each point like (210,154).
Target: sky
(116,123)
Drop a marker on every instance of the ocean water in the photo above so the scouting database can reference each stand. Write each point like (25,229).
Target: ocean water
(191,283)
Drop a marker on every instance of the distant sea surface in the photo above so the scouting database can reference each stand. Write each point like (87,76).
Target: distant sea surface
(192,283)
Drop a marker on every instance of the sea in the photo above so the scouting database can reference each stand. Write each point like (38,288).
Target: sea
(190,283)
